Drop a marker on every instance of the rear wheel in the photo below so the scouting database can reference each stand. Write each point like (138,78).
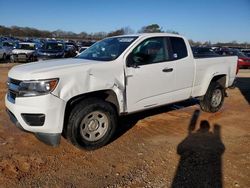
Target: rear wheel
(214,98)
(92,124)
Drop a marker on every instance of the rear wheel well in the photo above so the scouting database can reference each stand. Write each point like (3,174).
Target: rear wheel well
(106,95)
(221,79)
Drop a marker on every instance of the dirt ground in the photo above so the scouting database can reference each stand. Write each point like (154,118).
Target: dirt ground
(173,146)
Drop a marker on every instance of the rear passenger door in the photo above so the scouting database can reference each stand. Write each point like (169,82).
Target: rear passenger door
(184,68)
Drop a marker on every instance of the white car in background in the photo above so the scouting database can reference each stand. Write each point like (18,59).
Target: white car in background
(24,52)
(2,53)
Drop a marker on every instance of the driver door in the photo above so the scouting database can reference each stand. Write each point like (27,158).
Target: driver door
(150,75)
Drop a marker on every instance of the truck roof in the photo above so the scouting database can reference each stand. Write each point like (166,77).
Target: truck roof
(149,35)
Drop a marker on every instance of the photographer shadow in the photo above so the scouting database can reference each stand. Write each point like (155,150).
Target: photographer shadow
(200,153)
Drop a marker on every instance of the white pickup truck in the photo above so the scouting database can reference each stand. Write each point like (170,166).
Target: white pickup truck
(83,97)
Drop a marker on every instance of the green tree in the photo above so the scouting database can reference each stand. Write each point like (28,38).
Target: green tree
(115,33)
(172,31)
(153,28)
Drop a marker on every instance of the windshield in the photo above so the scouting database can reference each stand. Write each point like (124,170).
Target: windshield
(26,46)
(53,46)
(107,49)
(8,44)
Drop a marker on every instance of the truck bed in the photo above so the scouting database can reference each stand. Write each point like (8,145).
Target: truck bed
(209,67)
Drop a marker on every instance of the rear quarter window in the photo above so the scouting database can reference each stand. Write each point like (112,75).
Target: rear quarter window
(178,47)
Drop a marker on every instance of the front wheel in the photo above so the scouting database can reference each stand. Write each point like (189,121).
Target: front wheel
(213,100)
(12,59)
(92,124)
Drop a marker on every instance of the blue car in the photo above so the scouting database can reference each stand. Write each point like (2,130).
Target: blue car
(51,50)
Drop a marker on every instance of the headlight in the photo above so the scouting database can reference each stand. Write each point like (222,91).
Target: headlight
(36,88)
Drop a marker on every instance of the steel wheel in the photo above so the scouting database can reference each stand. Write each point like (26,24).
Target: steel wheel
(216,98)
(213,100)
(94,126)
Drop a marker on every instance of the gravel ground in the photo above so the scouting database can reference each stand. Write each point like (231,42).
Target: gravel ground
(172,146)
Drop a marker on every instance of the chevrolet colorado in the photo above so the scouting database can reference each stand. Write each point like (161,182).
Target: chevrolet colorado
(83,97)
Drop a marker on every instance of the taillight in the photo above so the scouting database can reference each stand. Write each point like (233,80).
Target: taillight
(238,66)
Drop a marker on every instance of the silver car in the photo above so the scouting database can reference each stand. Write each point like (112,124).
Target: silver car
(8,47)
(3,54)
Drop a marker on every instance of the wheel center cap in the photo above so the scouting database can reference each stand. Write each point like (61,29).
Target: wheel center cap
(93,125)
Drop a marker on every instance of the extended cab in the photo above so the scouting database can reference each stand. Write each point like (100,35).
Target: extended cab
(83,97)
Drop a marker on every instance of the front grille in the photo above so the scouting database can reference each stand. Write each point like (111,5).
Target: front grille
(13,88)
(22,57)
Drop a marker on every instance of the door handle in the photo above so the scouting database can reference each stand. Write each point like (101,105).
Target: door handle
(167,70)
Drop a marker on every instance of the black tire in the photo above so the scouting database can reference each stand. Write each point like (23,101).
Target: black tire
(213,100)
(32,58)
(12,59)
(4,57)
(80,123)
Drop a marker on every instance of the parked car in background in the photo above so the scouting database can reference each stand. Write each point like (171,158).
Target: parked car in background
(24,52)
(70,50)
(200,52)
(2,53)
(71,43)
(81,44)
(246,52)
(243,60)
(50,50)
(82,49)
(8,46)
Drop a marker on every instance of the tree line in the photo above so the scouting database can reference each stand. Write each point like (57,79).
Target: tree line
(16,31)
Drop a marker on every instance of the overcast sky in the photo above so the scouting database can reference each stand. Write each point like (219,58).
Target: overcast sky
(200,20)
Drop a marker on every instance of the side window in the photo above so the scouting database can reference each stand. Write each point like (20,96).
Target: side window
(152,50)
(178,47)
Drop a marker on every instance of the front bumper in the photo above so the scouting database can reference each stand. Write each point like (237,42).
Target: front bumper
(49,105)
(22,57)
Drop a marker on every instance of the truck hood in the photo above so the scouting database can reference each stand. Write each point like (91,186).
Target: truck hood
(19,51)
(47,69)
